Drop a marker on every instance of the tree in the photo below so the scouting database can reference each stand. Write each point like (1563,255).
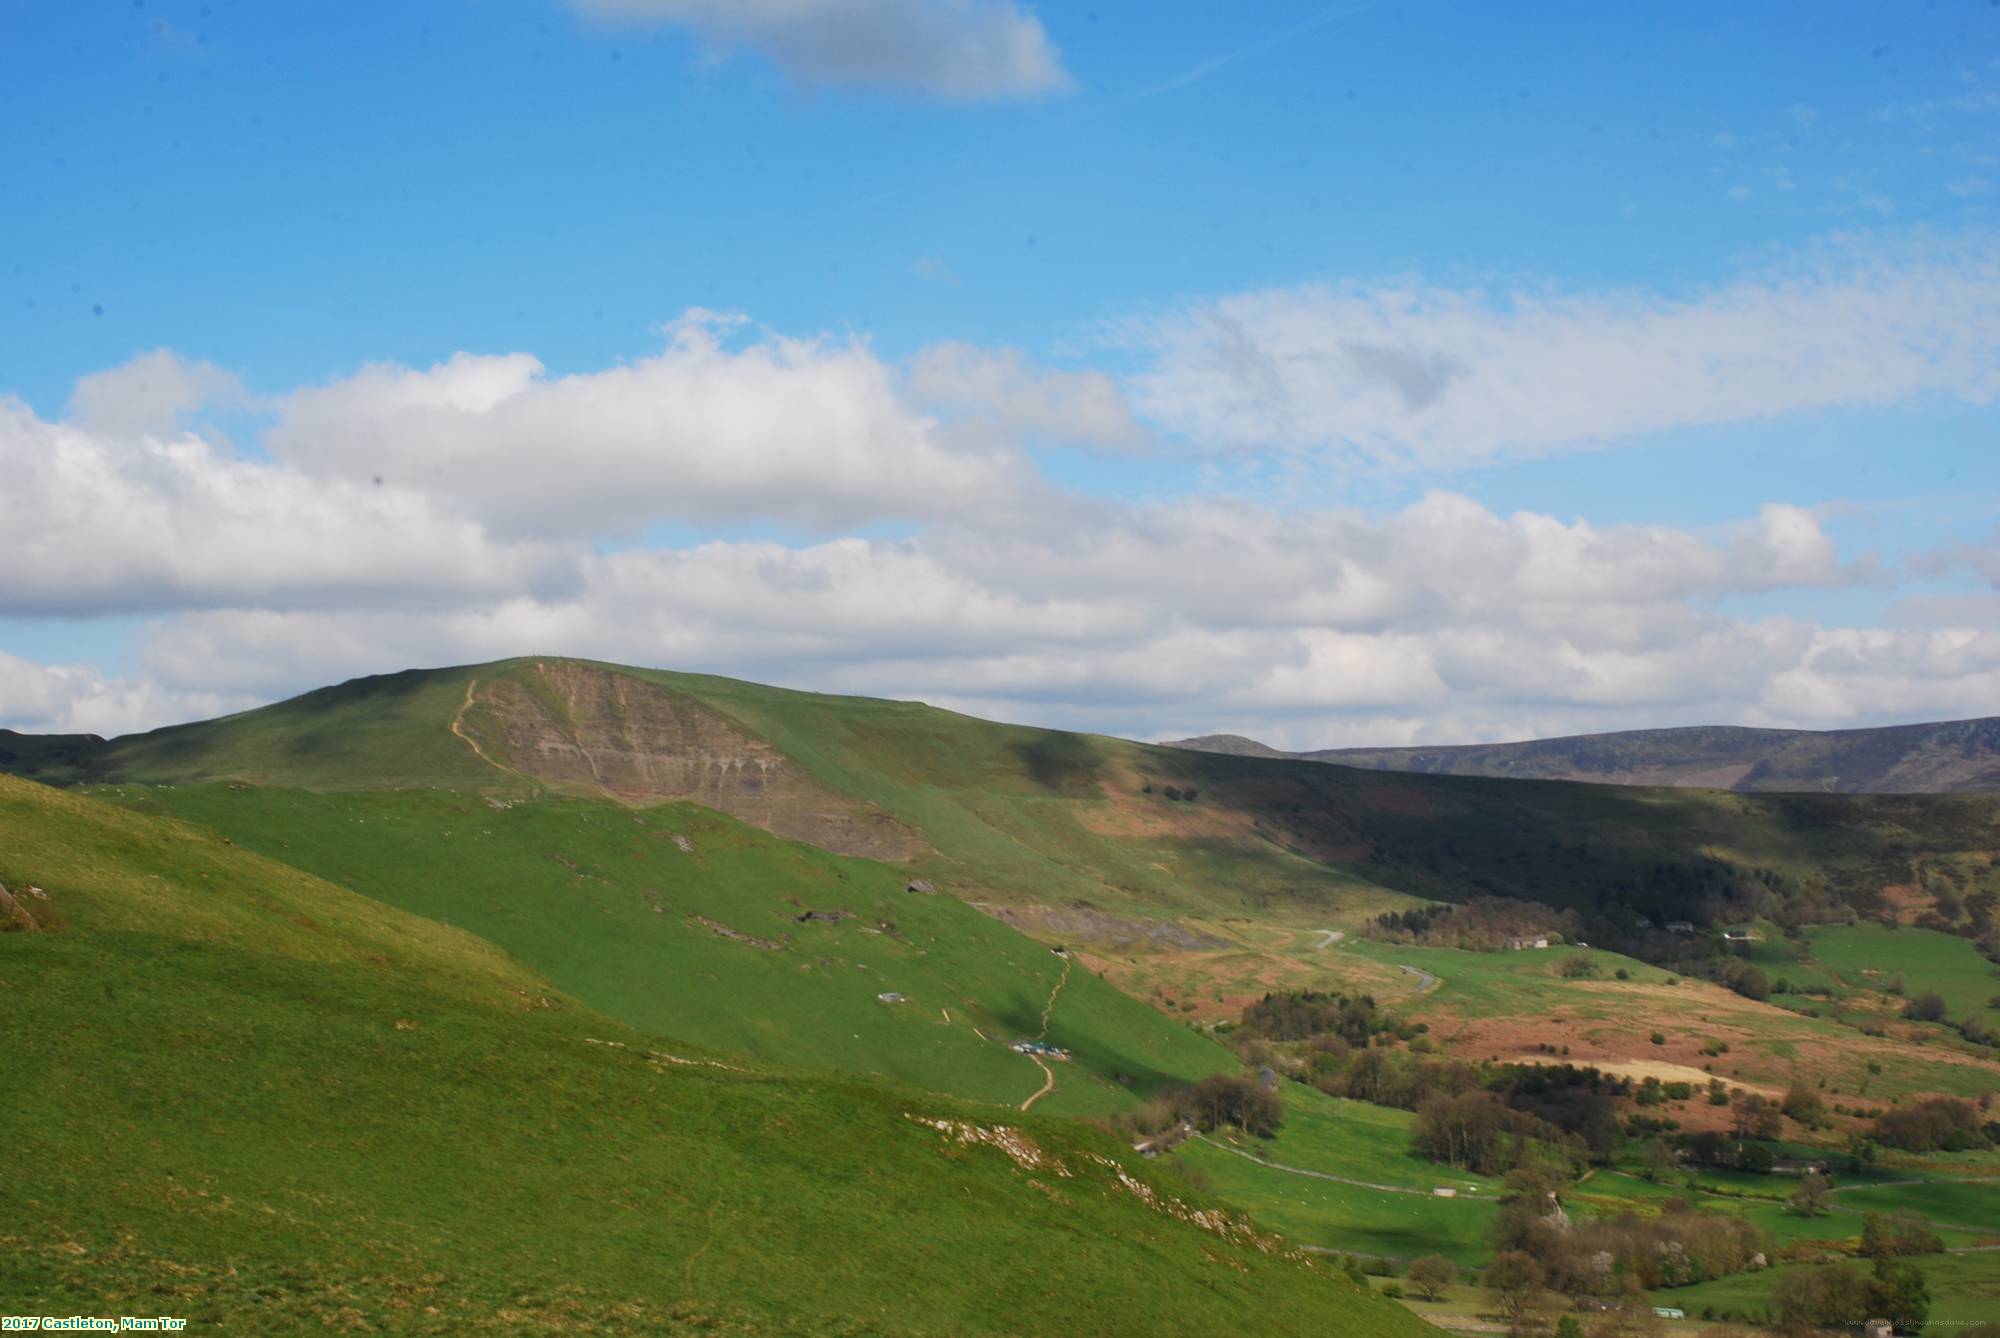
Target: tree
(1812,1196)
(1243,1102)
(1747,980)
(1804,1105)
(1755,1117)
(1431,1274)
(1660,1159)
(1835,1296)
(1878,1240)
(1514,1279)
(1899,1291)
(1569,1326)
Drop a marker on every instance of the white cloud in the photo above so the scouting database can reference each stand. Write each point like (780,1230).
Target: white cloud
(1080,407)
(1422,376)
(110,524)
(79,699)
(947,48)
(1443,621)
(154,394)
(809,432)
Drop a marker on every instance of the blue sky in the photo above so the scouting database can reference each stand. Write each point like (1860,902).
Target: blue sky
(1017,273)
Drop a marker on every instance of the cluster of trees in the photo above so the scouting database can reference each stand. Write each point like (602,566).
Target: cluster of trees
(1304,1014)
(1677,1246)
(1476,1131)
(1240,1101)
(1940,1124)
(1483,924)
(1841,1296)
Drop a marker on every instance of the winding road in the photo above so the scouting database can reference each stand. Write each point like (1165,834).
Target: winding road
(1426,982)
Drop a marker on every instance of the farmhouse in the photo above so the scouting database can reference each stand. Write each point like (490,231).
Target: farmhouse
(1680,926)
(1040,1049)
(1524,941)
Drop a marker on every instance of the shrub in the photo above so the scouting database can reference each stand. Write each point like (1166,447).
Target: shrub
(1804,1105)
(1925,1007)
(1659,1038)
(1941,1123)
(1431,1274)
(1747,979)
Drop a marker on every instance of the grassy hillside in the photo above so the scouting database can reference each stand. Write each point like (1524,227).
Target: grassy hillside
(256,1099)
(1038,819)
(1945,757)
(679,920)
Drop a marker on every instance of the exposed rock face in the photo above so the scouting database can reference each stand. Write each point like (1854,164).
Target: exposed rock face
(575,725)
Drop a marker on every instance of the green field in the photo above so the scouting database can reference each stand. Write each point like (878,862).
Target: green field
(603,900)
(1868,957)
(259,1100)
(1965,1291)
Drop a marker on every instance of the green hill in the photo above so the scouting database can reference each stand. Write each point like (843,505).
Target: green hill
(1951,756)
(250,1097)
(676,919)
(1068,829)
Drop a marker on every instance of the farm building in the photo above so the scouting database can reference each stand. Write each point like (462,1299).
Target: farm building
(1040,1049)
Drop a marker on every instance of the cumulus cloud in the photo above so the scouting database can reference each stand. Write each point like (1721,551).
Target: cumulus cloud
(807,431)
(109,524)
(80,699)
(153,394)
(1417,375)
(1080,407)
(947,48)
(1444,621)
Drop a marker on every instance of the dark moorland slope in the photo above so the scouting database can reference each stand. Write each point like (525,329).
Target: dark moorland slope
(1945,757)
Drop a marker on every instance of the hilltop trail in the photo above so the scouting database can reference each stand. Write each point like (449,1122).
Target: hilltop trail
(458,728)
(1328,937)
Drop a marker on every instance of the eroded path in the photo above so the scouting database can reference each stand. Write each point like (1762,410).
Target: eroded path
(1327,938)
(1048,1074)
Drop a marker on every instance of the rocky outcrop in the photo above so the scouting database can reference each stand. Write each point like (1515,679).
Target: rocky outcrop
(579,726)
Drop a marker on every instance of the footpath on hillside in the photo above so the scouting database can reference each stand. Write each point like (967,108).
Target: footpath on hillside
(1048,1074)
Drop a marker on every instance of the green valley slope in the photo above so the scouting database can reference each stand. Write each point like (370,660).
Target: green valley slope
(253,1098)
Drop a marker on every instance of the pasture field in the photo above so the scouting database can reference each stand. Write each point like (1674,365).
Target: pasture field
(604,900)
(1869,956)
(1346,1218)
(1965,1291)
